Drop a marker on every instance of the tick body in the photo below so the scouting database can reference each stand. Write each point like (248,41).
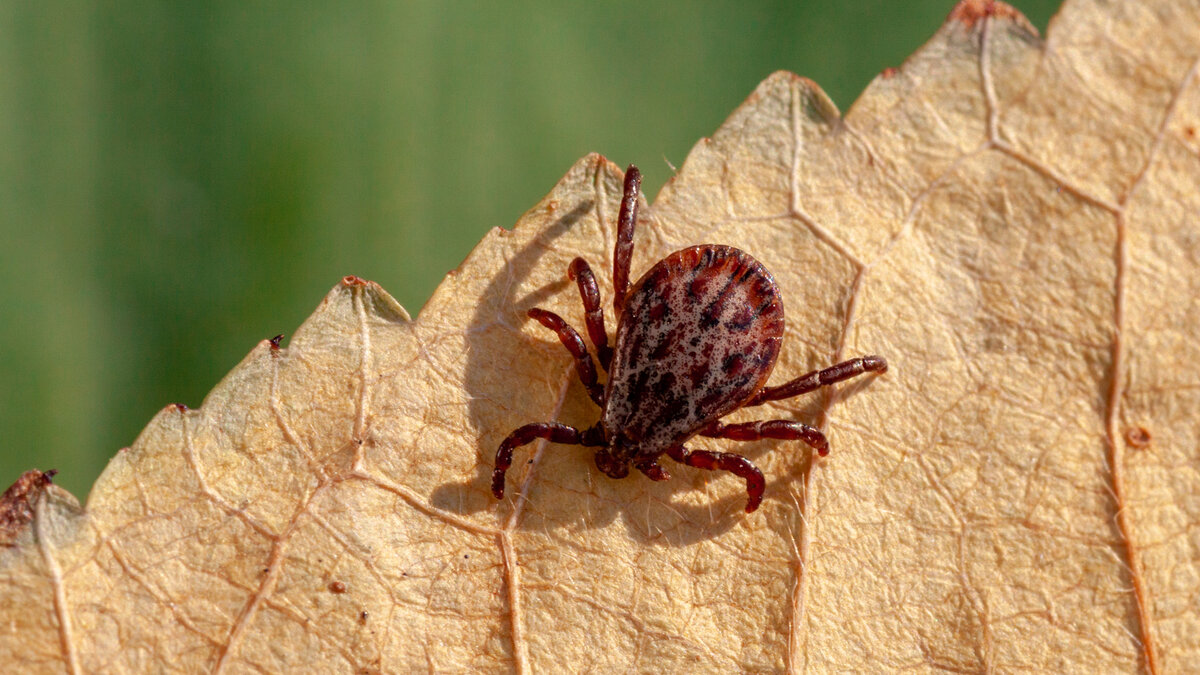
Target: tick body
(697,337)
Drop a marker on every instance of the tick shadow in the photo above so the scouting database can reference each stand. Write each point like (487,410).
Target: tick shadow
(665,513)
(695,505)
(657,517)
(487,393)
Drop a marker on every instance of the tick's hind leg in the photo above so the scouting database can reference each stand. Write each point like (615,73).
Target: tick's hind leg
(782,429)
(725,461)
(821,378)
(581,273)
(574,344)
(555,433)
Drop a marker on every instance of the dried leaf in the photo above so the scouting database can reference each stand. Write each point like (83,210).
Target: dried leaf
(1011,222)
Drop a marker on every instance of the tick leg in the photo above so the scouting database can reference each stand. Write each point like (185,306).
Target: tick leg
(574,344)
(725,461)
(623,251)
(820,378)
(581,273)
(652,469)
(784,429)
(555,433)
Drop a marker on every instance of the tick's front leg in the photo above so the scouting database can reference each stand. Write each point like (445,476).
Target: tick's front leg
(574,344)
(623,250)
(725,461)
(783,429)
(581,273)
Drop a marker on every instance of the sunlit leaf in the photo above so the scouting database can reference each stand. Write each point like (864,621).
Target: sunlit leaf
(1012,222)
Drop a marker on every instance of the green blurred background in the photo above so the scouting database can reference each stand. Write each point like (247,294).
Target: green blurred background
(181,180)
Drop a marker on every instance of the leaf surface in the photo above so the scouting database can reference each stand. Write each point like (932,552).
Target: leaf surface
(1012,222)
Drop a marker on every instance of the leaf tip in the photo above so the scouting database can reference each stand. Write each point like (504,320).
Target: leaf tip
(815,103)
(971,12)
(379,302)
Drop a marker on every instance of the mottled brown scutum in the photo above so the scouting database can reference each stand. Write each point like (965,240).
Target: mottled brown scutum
(700,335)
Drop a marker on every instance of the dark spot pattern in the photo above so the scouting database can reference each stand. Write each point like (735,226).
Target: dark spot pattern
(699,336)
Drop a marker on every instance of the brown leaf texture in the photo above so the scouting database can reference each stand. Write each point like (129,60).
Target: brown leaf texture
(1012,222)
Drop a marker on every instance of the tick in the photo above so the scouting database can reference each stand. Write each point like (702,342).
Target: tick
(697,337)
